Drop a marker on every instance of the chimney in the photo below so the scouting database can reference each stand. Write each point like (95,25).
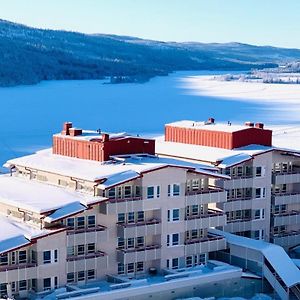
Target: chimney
(210,121)
(66,128)
(75,131)
(105,137)
(259,125)
(249,124)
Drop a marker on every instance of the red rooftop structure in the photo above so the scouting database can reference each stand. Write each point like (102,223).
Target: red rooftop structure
(211,134)
(94,145)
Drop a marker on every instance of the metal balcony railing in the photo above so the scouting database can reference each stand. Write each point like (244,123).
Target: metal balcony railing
(86,256)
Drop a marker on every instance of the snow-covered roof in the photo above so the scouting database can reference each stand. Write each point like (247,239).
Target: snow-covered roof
(113,172)
(88,135)
(17,234)
(277,257)
(202,125)
(221,157)
(65,211)
(233,160)
(39,197)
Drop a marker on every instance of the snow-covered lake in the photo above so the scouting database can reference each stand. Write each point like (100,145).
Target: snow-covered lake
(30,114)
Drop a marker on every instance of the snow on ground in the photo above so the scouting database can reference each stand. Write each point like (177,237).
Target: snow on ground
(282,100)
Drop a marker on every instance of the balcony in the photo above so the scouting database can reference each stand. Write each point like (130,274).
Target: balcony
(212,218)
(292,176)
(86,256)
(204,245)
(287,218)
(145,228)
(286,239)
(125,205)
(144,253)
(286,198)
(17,267)
(211,195)
(242,198)
(71,231)
(86,235)
(240,182)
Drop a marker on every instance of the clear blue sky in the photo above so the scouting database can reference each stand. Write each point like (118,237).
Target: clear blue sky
(261,22)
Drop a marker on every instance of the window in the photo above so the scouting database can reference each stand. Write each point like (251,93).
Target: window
(55,255)
(189,261)
(173,215)
(91,248)
(71,223)
(127,191)
(173,239)
(260,192)
(150,192)
(130,243)
(258,172)
(158,191)
(47,284)
(195,184)
(80,249)
(81,276)
(33,257)
(119,192)
(121,268)
(138,191)
(80,222)
(176,189)
(91,221)
(33,285)
(194,234)
(195,210)
(22,285)
(70,277)
(121,242)
(130,217)
(169,190)
(47,257)
(140,241)
(70,251)
(4,259)
(112,193)
(140,266)
(90,274)
(130,268)
(202,259)
(175,263)
(121,218)
(13,258)
(22,256)
(140,216)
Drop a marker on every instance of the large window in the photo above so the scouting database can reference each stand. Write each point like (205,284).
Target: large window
(70,277)
(3,259)
(173,215)
(47,284)
(121,218)
(22,256)
(90,274)
(47,257)
(173,239)
(81,276)
(22,285)
(80,222)
(150,192)
(175,263)
(91,221)
(121,268)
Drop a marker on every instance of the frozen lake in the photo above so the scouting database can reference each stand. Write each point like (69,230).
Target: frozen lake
(29,115)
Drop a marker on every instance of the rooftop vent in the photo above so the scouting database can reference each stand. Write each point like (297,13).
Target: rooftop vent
(259,125)
(210,121)
(249,124)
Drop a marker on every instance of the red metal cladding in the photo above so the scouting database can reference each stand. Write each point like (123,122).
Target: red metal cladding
(101,150)
(219,139)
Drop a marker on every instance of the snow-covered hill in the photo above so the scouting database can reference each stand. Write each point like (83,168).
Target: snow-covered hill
(29,55)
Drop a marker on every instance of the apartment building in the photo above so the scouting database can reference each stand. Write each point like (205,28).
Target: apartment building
(98,204)
(263,192)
